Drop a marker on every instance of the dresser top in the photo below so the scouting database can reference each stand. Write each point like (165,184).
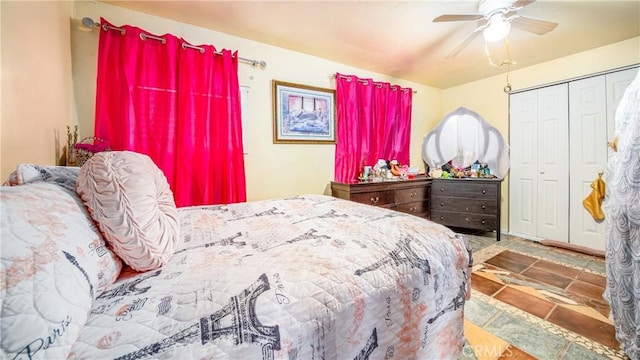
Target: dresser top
(418,178)
(468,179)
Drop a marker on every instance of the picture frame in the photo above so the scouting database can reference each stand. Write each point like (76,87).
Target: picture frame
(303,114)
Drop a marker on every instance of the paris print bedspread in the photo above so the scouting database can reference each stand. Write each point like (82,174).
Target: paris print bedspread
(308,277)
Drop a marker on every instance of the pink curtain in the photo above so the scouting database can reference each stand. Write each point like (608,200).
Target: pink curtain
(209,147)
(374,122)
(178,105)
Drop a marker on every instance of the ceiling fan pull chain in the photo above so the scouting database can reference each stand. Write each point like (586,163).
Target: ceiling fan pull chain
(507,88)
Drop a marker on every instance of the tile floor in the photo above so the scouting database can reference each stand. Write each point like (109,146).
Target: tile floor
(531,301)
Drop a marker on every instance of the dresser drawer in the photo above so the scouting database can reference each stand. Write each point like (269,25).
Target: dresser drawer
(408,196)
(471,221)
(464,205)
(465,189)
(414,208)
(412,195)
(377,198)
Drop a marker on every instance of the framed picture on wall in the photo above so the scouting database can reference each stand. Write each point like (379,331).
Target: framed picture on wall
(303,114)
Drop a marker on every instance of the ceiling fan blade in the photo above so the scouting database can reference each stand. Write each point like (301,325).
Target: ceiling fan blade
(522,3)
(466,41)
(458,17)
(532,25)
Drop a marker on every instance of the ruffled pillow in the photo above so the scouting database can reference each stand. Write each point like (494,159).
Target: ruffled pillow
(130,199)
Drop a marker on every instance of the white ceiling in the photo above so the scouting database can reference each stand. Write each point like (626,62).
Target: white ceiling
(398,38)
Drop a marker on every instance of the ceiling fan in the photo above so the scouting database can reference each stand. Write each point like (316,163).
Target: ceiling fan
(495,20)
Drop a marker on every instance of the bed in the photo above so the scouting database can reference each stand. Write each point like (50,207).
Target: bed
(304,277)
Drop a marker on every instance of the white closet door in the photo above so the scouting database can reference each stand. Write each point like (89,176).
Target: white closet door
(523,174)
(553,163)
(547,185)
(593,102)
(588,156)
(617,83)
(538,187)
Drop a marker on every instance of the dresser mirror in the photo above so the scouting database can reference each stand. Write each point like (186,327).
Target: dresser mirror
(463,138)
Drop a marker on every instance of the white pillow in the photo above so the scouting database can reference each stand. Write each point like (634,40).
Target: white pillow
(64,176)
(130,199)
(54,264)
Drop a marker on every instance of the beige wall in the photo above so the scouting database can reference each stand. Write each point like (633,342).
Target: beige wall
(36,82)
(48,82)
(487,97)
(271,170)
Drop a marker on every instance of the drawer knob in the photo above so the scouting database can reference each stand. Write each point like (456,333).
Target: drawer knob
(484,207)
(441,204)
(441,217)
(375,200)
(483,222)
(484,191)
(441,189)
(413,194)
(412,209)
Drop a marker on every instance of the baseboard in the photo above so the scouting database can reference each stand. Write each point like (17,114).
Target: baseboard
(578,248)
(525,236)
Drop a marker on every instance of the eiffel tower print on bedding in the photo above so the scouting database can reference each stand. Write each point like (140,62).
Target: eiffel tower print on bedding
(306,277)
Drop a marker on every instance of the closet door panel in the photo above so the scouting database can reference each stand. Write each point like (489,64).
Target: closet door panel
(553,161)
(588,158)
(523,173)
(617,83)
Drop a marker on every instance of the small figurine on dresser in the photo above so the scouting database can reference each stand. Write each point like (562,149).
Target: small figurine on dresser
(387,170)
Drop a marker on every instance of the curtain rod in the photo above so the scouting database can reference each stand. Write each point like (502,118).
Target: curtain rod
(89,23)
(377,83)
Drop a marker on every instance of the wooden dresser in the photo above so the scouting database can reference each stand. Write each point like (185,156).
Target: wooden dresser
(408,196)
(467,203)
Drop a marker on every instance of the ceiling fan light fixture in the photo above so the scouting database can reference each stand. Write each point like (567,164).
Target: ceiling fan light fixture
(497,29)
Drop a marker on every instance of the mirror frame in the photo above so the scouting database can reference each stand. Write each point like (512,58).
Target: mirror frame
(498,162)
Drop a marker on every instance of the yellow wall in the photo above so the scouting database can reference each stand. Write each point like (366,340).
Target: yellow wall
(487,97)
(271,170)
(48,82)
(36,82)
